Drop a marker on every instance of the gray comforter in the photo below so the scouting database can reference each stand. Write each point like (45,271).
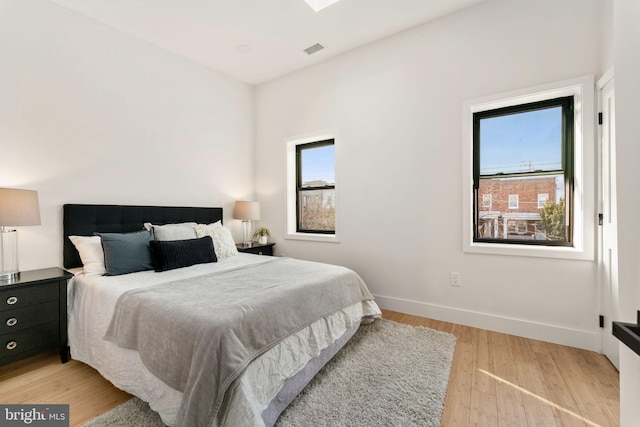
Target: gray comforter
(198,335)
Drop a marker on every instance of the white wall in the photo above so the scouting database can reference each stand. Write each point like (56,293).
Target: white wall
(606,44)
(91,115)
(397,107)
(627,66)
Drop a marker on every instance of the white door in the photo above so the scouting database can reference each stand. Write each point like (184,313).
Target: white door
(608,262)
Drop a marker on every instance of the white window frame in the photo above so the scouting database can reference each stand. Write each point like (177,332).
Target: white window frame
(291,217)
(514,198)
(544,201)
(583,91)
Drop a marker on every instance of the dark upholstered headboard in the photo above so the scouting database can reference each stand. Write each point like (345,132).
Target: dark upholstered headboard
(84,220)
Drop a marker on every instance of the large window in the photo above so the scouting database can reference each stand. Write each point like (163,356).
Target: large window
(316,187)
(531,152)
(520,152)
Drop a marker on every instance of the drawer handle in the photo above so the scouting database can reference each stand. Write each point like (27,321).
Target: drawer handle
(12,300)
(12,322)
(11,345)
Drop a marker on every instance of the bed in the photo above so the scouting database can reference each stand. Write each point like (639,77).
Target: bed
(206,335)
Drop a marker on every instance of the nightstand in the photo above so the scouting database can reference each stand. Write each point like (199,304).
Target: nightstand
(257,248)
(33,314)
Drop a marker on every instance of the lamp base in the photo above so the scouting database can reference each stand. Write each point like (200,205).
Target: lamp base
(246,233)
(9,255)
(9,277)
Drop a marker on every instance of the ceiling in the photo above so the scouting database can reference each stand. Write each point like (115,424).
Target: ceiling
(256,41)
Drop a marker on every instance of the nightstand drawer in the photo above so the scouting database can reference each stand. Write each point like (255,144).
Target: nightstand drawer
(11,299)
(23,318)
(42,336)
(258,249)
(33,314)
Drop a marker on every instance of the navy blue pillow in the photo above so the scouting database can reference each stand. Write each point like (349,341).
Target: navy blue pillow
(171,254)
(126,252)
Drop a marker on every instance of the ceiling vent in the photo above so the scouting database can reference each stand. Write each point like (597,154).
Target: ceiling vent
(313,49)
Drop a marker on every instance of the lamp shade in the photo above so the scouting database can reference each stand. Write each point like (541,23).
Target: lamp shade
(19,207)
(246,211)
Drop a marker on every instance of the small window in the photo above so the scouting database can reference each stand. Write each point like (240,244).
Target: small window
(523,153)
(513,201)
(316,187)
(486,201)
(542,200)
(521,227)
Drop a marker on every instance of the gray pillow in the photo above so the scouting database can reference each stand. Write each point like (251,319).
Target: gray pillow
(126,252)
(182,231)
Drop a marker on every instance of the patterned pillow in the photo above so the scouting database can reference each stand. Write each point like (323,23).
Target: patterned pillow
(222,239)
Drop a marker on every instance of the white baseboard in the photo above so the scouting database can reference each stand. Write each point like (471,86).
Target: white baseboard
(588,340)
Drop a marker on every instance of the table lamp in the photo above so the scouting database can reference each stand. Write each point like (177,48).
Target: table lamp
(17,208)
(247,212)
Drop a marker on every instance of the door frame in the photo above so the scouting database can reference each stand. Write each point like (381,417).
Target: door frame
(607,231)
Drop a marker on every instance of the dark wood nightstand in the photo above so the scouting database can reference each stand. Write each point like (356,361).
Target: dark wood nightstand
(257,248)
(33,314)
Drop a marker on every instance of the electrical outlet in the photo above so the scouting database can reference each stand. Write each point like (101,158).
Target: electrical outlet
(455,279)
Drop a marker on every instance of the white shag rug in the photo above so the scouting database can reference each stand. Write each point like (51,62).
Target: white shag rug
(388,374)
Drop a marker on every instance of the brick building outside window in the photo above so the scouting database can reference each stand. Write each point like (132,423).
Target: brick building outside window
(501,220)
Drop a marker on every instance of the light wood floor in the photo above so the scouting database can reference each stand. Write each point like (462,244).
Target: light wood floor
(504,380)
(496,380)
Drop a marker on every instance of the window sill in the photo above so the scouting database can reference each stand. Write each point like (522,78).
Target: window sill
(559,252)
(330,238)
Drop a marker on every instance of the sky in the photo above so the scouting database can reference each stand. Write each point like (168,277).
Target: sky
(319,164)
(521,142)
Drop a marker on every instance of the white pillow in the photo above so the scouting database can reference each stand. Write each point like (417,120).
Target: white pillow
(182,231)
(223,242)
(91,254)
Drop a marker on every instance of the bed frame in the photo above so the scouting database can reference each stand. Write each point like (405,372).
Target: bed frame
(84,220)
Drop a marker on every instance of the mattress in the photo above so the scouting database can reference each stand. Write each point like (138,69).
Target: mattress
(255,398)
